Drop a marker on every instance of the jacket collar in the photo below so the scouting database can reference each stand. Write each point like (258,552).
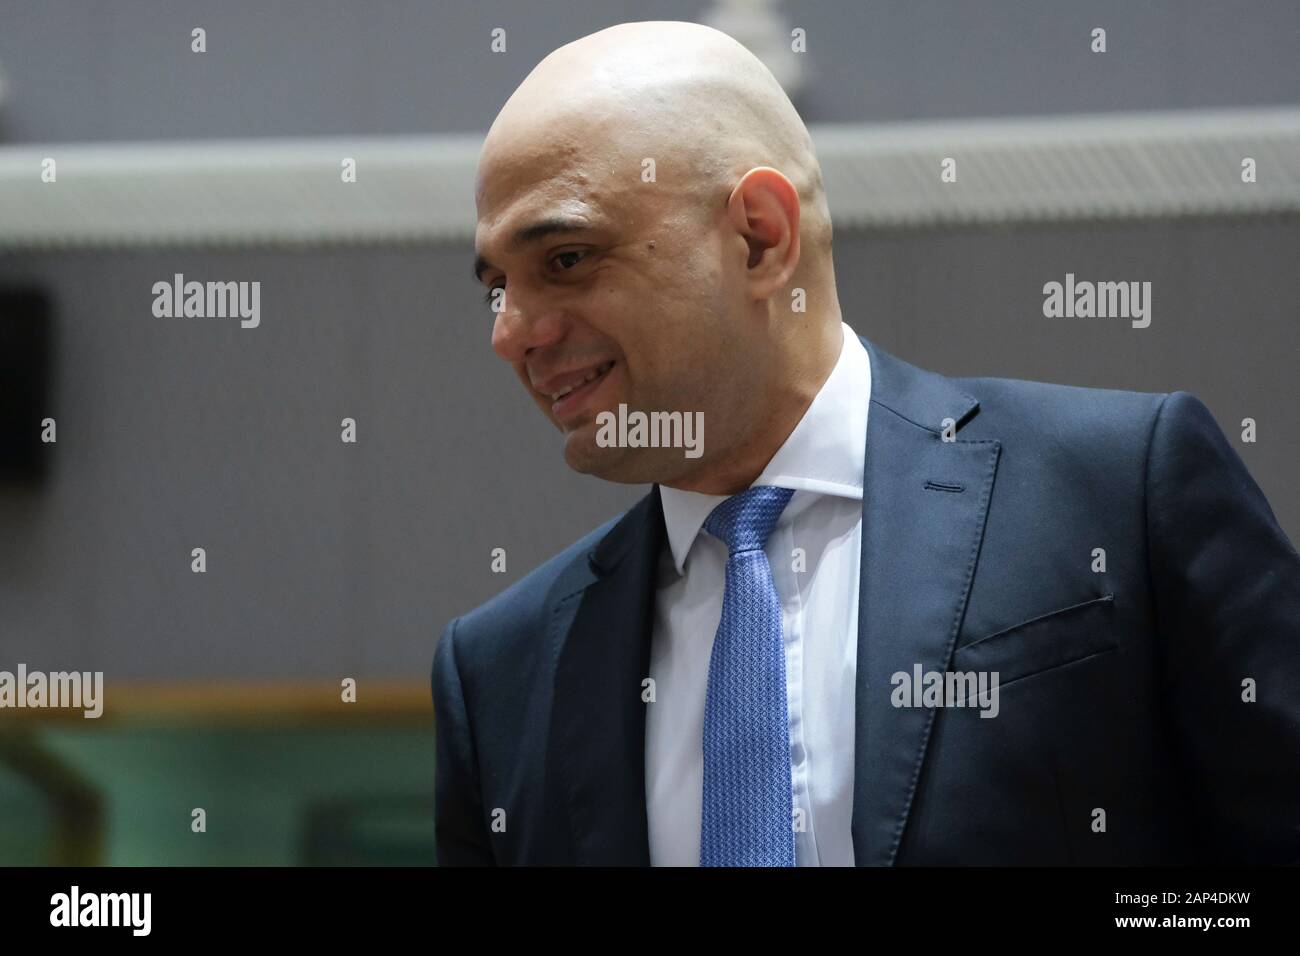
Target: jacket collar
(925,501)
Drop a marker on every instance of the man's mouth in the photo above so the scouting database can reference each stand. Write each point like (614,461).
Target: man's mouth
(565,400)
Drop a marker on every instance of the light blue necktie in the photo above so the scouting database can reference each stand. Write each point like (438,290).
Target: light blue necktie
(746,815)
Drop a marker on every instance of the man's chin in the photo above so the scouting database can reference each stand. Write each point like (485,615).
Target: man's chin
(632,466)
(583,455)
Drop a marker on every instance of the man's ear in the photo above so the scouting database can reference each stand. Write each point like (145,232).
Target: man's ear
(764,209)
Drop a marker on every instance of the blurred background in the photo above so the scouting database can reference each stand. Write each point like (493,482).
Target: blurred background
(328,560)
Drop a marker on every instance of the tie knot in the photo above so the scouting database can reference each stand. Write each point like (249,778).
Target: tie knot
(744,521)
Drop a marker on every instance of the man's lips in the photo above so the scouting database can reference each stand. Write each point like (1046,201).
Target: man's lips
(555,386)
(568,391)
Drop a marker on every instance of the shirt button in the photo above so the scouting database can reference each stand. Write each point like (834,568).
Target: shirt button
(796,754)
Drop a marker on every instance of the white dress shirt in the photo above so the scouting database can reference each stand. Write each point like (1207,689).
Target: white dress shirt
(822,460)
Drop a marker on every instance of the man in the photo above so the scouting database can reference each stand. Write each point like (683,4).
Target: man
(757,664)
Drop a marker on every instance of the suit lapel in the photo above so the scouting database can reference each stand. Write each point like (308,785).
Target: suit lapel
(919,546)
(601,617)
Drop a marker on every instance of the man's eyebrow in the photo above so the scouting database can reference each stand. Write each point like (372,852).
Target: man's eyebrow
(538,230)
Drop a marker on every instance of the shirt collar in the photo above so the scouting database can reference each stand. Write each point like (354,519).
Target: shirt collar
(824,454)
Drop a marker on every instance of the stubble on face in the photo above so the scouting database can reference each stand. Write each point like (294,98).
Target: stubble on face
(653,299)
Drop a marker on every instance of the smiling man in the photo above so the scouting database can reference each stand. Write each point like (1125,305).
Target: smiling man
(709,678)
(624,287)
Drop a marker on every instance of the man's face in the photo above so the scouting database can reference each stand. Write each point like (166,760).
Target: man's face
(615,292)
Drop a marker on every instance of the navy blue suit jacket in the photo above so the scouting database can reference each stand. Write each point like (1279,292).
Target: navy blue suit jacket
(1120,691)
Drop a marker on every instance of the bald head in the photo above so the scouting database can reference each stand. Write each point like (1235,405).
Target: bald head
(650,211)
(685,95)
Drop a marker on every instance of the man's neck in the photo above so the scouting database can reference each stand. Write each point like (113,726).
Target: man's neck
(784,406)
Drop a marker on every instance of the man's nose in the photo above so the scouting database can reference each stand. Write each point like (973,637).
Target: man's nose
(524,324)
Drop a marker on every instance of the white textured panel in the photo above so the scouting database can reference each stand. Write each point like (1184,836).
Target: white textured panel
(1130,165)
(239,192)
(878,176)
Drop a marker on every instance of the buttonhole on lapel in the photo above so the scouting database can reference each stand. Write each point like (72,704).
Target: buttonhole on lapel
(943,486)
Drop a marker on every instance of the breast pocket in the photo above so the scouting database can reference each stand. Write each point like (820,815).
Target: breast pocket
(1045,642)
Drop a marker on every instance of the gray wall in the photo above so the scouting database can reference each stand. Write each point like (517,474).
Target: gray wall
(323,557)
(123,70)
(327,559)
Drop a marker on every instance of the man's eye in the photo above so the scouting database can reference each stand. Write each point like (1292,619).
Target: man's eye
(571,252)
